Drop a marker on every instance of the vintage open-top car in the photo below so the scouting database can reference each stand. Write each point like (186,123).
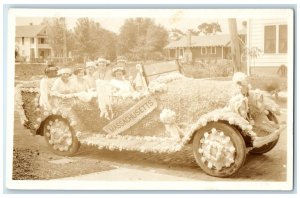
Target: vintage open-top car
(222,121)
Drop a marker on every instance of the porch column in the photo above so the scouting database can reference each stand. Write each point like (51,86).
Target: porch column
(222,53)
(36,49)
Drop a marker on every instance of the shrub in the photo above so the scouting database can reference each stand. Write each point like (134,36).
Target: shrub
(208,69)
(268,83)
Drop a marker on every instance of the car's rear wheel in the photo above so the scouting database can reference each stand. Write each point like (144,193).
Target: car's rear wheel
(267,147)
(219,149)
(60,136)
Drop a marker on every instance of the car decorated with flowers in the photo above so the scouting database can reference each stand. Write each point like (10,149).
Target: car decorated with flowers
(222,119)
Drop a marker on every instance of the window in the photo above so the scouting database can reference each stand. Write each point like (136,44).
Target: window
(282,39)
(213,50)
(41,41)
(203,50)
(22,40)
(32,40)
(275,39)
(181,52)
(270,39)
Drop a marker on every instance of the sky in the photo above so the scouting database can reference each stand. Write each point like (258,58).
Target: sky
(114,19)
(114,24)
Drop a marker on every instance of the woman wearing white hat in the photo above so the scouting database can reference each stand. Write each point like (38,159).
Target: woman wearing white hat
(119,82)
(102,69)
(63,85)
(80,84)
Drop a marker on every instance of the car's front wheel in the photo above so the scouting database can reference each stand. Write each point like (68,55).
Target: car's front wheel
(219,149)
(60,136)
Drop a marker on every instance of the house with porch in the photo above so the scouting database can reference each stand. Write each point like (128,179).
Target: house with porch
(197,48)
(31,43)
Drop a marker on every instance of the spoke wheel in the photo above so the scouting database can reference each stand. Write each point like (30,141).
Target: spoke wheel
(60,136)
(219,149)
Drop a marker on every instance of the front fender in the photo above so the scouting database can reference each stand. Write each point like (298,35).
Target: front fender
(222,115)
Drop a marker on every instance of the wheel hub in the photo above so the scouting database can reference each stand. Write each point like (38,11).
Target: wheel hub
(217,150)
(59,135)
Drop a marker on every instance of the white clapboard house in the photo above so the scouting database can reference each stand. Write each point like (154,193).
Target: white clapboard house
(31,43)
(270,36)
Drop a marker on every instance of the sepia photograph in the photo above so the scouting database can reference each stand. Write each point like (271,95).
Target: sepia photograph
(145,99)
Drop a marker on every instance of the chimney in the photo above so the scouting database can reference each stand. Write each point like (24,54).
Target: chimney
(189,38)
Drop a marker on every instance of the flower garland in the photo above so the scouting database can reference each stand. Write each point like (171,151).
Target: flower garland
(19,103)
(131,143)
(220,114)
(167,116)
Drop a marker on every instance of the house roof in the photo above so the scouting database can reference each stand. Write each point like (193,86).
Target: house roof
(29,30)
(201,41)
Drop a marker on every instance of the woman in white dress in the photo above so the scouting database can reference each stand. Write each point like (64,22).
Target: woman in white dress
(50,73)
(90,77)
(63,84)
(80,84)
(119,83)
(103,89)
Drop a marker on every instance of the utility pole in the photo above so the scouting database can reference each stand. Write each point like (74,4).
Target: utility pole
(235,46)
(65,53)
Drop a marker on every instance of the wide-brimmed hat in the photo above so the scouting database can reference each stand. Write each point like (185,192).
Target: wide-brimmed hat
(121,59)
(78,69)
(64,71)
(90,64)
(51,71)
(101,60)
(118,68)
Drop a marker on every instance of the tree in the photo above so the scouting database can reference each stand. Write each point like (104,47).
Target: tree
(140,38)
(93,41)
(194,32)
(209,28)
(56,29)
(176,34)
(235,46)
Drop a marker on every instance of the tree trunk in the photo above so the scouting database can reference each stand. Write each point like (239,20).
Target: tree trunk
(235,46)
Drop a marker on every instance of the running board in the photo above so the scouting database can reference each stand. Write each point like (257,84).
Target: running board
(132,143)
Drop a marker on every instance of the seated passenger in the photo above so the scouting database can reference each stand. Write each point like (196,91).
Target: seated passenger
(90,77)
(63,84)
(119,83)
(80,84)
(50,72)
